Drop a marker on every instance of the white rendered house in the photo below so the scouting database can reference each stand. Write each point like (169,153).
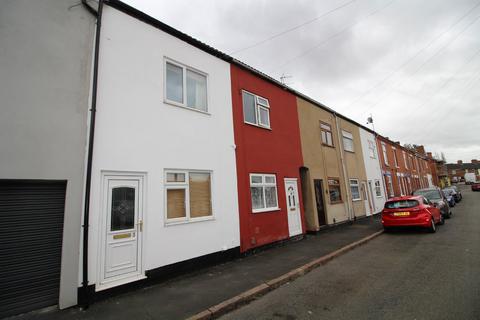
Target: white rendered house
(163,184)
(375,186)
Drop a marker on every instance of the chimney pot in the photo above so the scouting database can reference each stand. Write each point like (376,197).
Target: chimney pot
(459,162)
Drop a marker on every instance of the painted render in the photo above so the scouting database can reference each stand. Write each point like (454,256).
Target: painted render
(138,132)
(373,170)
(321,162)
(45,59)
(266,151)
(355,167)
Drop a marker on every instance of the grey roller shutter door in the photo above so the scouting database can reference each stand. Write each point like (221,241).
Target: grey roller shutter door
(31,230)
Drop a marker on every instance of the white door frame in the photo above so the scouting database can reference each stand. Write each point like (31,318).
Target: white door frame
(293,207)
(107,176)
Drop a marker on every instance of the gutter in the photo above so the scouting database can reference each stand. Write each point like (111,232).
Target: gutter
(85,301)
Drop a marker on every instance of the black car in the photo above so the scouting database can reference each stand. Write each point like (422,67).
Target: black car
(436,196)
(457,195)
(450,196)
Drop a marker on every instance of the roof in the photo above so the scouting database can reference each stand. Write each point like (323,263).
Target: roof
(457,166)
(131,11)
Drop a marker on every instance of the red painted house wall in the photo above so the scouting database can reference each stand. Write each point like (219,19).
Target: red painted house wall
(258,150)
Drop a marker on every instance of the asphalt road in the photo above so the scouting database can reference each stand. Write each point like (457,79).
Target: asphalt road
(402,275)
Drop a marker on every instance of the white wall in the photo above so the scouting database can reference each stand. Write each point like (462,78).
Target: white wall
(137,132)
(45,61)
(372,168)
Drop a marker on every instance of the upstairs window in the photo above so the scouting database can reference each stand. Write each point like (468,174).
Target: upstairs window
(185,87)
(263,189)
(326,132)
(395,160)
(405,159)
(256,110)
(347,141)
(384,151)
(371,149)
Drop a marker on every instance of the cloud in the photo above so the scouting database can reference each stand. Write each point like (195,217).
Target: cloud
(351,59)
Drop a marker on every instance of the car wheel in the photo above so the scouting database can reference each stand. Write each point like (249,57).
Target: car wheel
(448,214)
(433,227)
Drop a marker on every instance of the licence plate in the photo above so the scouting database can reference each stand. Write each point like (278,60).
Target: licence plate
(401,214)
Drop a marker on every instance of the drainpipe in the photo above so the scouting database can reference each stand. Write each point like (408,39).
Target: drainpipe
(344,168)
(86,217)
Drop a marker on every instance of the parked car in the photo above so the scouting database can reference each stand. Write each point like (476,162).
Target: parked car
(458,194)
(411,211)
(436,196)
(476,186)
(449,195)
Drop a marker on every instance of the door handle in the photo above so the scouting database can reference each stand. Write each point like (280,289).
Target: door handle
(140,225)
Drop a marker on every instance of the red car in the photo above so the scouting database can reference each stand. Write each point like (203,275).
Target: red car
(476,186)
(411,211)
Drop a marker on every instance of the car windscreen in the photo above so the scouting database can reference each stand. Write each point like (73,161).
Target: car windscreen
(400,204)
(429,194)
(448,191)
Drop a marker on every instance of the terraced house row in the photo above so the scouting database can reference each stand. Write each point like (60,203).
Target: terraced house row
(131,150)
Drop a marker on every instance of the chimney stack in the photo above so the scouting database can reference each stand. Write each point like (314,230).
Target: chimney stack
(474,161)
(429,154)
(459,162)
(420,149)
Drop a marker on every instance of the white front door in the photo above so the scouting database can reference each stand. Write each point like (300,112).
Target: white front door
(293,207)
(365,199)
(123,230)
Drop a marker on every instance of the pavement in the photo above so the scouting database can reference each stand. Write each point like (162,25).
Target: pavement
(406,274)
(190,294)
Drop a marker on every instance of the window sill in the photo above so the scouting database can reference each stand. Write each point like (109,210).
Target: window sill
(266,210)
(349,151)
(356,200)
(336,202)
(258,126)
(184,221)
(175,104)
(327,145)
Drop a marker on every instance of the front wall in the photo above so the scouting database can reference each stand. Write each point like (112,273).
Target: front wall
(354,164)
(137,132)
(322,162)
(276,151)
(45,62)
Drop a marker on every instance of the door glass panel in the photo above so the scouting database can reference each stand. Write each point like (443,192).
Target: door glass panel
(123,208)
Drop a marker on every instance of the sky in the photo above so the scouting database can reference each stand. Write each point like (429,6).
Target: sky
(414,65)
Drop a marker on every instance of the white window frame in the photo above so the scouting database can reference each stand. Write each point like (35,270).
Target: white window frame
(355,183)
(405,159)
(384,151)
(327,133)
(258,105)
(263,184)
(378,188)
(184,84)
(371,149)
(395,158)
(349,136)
(185,186)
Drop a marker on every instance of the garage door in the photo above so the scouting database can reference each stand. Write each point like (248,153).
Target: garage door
(31,228)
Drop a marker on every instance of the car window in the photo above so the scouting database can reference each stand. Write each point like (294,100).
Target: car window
(400,204)
(429,194)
